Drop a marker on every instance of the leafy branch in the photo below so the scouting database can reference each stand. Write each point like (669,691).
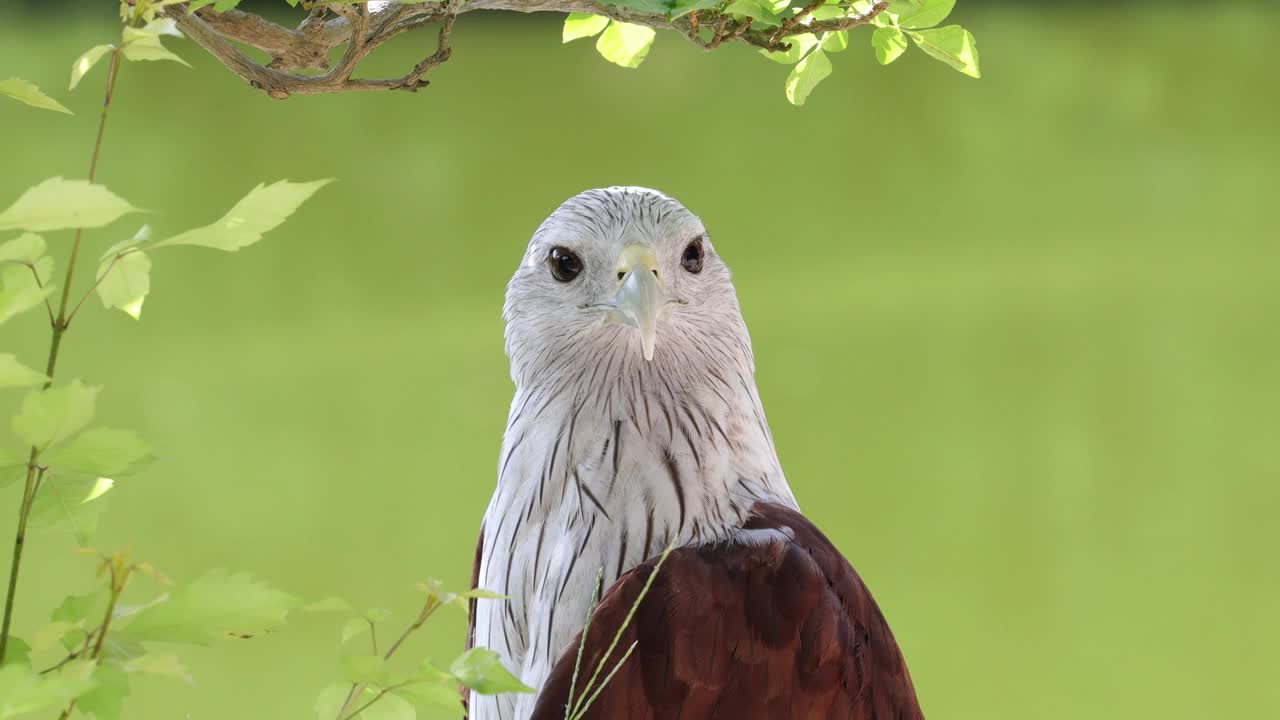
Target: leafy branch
(800,34)
(371,679)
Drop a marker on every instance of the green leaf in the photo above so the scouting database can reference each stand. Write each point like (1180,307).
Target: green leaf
(14,374)
(106,700)
(580,25)
(20,291)
(889,43)
(952,45)
(914,14)
(806,76)
(371,669)
(18,652)
(221,5)
(27,92)
(768,12)
(835,41)
(68,503)
(625,44)
(82,609)
(326,605)
(126,280)
(102,451)
(388,707)
(353,627)
(432,694)
(57,204)
(265,207)
(49,416)
(217,604)
(144,43)
(86,61)
(800,46)
(26,248)
(51,635)
(23,691)
(159,664)
(482,671)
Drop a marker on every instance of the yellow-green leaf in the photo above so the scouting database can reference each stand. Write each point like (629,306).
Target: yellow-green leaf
(265,207)
(889,44)
(14,374)
(106,700)
(66,502)
(625,44)
(580,25)
(126,280)
(805,76)
(952,45)
(144,43)
(482,670)
(49,416)
(86,61)
(27,92)
(102,451)
(26,248)
(217,604)
(914,14)
(19,290)
(835,41)
(24,691)
(57,204)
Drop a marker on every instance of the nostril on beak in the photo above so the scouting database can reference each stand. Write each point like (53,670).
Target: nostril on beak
(621,274)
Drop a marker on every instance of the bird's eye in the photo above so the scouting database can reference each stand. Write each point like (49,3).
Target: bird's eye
(691,260)
(565,264)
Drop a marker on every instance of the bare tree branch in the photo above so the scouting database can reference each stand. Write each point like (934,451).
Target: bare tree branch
(332,25)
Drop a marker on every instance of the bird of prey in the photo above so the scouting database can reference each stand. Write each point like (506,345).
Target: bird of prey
(636,425)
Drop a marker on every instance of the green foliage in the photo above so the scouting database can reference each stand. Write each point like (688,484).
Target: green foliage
(914,14)
(27,92)
(482,670)
(86,61)
(625,44)
(144,43)
(58,204)
(49,416)
(14,374)
(806,75)
(19,290)
(24,691)
(69,469)
(218,604)
(70,503)
(265,207)
(581,25)
(110,686)
(102,452)
(952,45)
(889,43)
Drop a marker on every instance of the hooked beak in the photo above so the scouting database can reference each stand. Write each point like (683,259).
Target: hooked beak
(641,299)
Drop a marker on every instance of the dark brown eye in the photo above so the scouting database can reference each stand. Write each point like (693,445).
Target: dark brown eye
(691,260)
(565,264)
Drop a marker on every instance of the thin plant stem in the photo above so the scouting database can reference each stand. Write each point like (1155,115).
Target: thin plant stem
(119,578)
(357,689)
(59,327)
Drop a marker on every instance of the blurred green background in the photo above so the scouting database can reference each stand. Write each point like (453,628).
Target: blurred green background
(1017,337)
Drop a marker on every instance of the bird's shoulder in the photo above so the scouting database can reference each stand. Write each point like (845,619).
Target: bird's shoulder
(773,623)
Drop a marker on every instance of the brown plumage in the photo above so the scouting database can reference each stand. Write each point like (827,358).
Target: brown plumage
(743,630)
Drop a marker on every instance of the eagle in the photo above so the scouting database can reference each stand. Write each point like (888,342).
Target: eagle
(636,428)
